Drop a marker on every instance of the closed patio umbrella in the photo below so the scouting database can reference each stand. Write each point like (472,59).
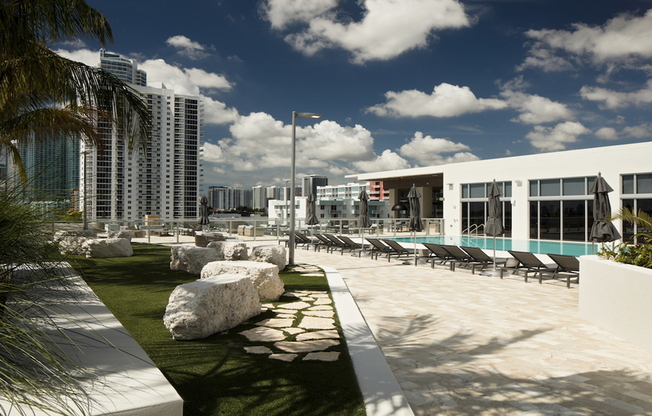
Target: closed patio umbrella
(363,216)
(414,196)
(494,225)
(602,230)
(311,209)
(203,212)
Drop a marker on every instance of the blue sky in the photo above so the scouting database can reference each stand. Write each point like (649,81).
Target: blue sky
(400,83)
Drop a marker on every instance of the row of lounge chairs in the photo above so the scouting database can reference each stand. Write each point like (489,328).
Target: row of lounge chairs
(441,254)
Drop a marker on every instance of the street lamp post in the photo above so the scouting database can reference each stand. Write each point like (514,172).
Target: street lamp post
(293,179)
(84,217)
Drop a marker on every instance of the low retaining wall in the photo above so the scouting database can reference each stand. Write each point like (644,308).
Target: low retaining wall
(616,297)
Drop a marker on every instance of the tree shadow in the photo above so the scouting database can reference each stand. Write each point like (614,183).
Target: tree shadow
(457,375)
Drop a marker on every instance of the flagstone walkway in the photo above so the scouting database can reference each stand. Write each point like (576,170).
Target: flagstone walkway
(310,337)
(462,344)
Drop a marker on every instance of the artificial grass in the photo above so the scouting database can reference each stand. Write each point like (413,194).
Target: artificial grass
(215,376)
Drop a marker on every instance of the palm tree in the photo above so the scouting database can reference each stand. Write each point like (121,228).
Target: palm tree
(44,95)
(642,220)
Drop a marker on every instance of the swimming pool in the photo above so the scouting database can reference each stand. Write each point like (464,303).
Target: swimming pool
(504,244)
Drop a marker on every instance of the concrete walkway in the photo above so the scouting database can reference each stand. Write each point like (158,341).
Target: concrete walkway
(463,344)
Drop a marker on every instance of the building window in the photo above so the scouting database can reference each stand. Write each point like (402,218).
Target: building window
(561,209)
(475,210)
(636,195)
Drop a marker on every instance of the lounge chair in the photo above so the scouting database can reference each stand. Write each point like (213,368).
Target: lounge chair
(438,253)
(483,259)
(323,242)
(337,243)
(378,247)
(352,244)
(398,250)
(304,240)
(531,264)
(460,257)
(567,266)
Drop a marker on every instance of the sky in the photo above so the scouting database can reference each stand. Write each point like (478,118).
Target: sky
(399,83)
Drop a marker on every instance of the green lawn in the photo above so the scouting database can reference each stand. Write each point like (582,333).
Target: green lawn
(215,376)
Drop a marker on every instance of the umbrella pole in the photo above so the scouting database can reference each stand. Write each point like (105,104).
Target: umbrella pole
(415,248)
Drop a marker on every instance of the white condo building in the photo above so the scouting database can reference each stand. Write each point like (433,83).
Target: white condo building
(332,202)
(164,179)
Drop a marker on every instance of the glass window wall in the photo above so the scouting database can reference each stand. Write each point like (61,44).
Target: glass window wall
(636,196)
(561,209)
(475,210)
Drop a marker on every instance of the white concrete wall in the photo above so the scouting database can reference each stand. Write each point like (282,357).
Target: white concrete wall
(616,297)
(611,161)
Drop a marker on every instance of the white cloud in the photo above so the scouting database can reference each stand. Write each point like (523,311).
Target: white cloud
(549,139)
(535,109)
(642,131)
(85,56)
(427,150)
(449,100)
(331,141)
(205,79)
(260,142)
(182,80)
(613,99)
(388,27)
(388,160)
(446,100)
(607,133)
(188,48)
(622,40)
(281,13)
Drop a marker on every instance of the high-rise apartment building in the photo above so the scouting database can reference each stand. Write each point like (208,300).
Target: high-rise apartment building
(163,179)
(125,69)
(225,197)
(52,167)
(311,182)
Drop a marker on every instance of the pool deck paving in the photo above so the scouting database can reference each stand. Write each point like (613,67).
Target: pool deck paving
(463,344)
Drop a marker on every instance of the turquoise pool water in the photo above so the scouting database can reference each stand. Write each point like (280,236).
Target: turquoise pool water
(504,244)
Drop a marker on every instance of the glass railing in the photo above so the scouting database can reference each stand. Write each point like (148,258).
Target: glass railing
(255,228)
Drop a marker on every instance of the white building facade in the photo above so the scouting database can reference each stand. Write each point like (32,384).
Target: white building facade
(338,202)
(545,196)
(162,180)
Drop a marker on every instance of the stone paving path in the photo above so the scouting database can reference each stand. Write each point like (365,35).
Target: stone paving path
(304,328)
(462,344)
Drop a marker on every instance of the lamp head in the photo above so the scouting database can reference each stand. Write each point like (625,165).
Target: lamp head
(308,115)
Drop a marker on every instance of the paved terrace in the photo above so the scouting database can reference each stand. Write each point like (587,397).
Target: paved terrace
(463,344)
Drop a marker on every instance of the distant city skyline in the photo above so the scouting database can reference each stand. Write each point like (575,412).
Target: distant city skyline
(440,81)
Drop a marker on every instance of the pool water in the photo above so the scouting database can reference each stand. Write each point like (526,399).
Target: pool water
(504,244)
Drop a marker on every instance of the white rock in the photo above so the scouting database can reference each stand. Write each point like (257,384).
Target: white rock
(263,275)
(230,250)
(270,254)
(107,247)
(201,308)
(128,234)
(191,259)
(72,242)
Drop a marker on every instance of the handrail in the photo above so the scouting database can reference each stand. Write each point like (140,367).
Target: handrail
(473,228)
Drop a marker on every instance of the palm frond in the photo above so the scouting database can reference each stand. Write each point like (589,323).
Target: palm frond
(46,21)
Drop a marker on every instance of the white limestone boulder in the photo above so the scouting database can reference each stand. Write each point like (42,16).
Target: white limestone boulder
(270,254)
(199,309)
(121,234)
(230,250)
(72,241)
(192,259)
(107,247)
(263,275)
